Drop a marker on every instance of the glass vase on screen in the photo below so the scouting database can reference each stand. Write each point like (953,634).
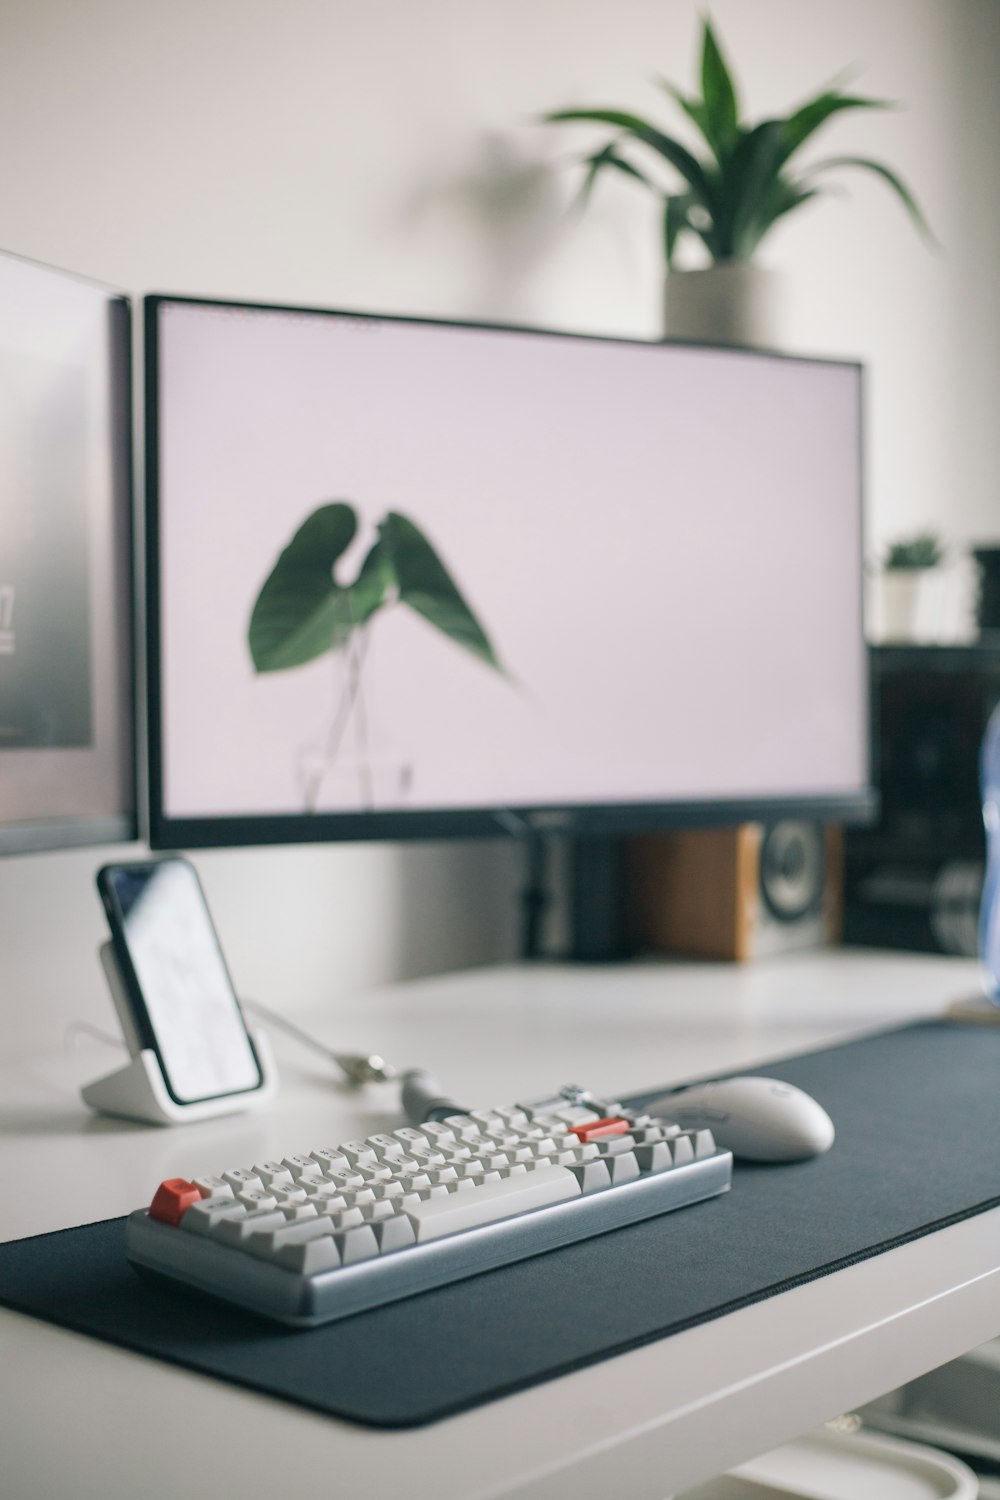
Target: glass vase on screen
(305,611)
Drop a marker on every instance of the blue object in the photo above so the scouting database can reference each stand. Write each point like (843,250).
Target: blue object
(989,913)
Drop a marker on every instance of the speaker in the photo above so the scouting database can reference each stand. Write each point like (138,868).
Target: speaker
(914,879)
(737,893)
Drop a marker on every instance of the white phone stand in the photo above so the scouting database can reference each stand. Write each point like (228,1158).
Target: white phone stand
(137,1091)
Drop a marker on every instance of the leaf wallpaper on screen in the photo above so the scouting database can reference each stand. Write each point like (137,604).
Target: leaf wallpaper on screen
(303,612)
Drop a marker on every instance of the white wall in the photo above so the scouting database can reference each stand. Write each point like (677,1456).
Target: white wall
(383,155)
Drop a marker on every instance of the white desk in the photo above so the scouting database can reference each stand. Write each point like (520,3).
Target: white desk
(79,1417)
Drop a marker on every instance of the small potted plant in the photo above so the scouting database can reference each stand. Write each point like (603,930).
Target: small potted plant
(911,579)
(728,193)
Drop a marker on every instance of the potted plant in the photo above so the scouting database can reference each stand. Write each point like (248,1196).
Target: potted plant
(911,581)
(732,190)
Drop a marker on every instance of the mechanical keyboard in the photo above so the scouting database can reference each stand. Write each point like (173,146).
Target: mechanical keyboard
(320,1235)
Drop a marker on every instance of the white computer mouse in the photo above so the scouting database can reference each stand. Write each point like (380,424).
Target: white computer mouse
(760,1119)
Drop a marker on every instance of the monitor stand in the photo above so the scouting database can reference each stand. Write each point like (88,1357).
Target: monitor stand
(599,927)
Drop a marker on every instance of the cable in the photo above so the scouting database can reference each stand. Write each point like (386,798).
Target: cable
(357,1067)
(423,1098)
(85,1028)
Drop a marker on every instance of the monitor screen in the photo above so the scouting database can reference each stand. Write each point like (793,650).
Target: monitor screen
(66,702)
(420,578)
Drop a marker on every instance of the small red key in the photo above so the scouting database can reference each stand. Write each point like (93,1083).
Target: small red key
(172,1200)
(594,1130)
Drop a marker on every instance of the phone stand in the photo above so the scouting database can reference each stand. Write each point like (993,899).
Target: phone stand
(137,1091)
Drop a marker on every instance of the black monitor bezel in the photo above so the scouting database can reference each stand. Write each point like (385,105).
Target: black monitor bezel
(587,821)
(64,833)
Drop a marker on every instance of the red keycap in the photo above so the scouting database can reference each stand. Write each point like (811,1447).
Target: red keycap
(595,1129)
(172,1199)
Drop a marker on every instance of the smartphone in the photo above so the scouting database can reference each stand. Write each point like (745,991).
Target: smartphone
(176,984)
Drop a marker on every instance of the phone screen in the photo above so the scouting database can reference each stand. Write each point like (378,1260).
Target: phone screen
(175,969)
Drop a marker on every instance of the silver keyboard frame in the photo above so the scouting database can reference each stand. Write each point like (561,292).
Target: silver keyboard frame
(307,1301)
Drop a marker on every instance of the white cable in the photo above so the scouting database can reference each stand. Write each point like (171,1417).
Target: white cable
(357,1067)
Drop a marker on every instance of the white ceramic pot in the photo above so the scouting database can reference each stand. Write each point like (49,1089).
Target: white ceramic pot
(912,600)
(731,303)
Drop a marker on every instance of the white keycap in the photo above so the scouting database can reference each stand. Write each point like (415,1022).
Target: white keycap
(265,1243)
(592,1175)
(241,1179)
(415,1182)
(380,1209)
(292,1193)
(654,1156)
(426,1157)
(393,1234)
(345,1182)
(233,1231)
(261,1199)
(386,1146)
(380,1172)
(295,1213)
(513,1116)
(624,1168)
(356,1244)
(302,1166)
(615,1145)
(576,1114)
(495,1200)
(412,1138)
(272,1173)
(214,1187)
(330,1159)
(309,1257)
(359,1153)
(348,1218)
(390,1191)
(541,1108)
(327,1201)
(465,1128)
(203,1217)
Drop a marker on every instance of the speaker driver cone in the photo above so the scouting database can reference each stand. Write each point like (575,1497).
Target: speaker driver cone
(791,869)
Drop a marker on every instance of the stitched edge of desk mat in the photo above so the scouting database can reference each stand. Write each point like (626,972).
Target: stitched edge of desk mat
(918,1131)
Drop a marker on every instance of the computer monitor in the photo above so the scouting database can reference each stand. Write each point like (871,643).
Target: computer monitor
(67,764)
(416,579)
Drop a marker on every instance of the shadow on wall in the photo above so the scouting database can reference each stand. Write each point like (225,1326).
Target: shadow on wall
(511,205)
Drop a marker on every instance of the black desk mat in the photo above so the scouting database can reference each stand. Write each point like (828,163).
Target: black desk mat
(917,1112)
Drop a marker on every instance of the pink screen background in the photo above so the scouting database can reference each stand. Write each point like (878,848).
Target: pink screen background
(663,544)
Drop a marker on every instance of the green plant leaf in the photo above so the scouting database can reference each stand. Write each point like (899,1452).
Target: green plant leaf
(721,108)
(671,150)
(788,195)
(834,163)
(301,611)
(693,108)
(426,586)
(749,179)
(806,120)
(737,188)
(608,157)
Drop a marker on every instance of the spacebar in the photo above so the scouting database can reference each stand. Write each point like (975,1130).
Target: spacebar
(492,1201)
